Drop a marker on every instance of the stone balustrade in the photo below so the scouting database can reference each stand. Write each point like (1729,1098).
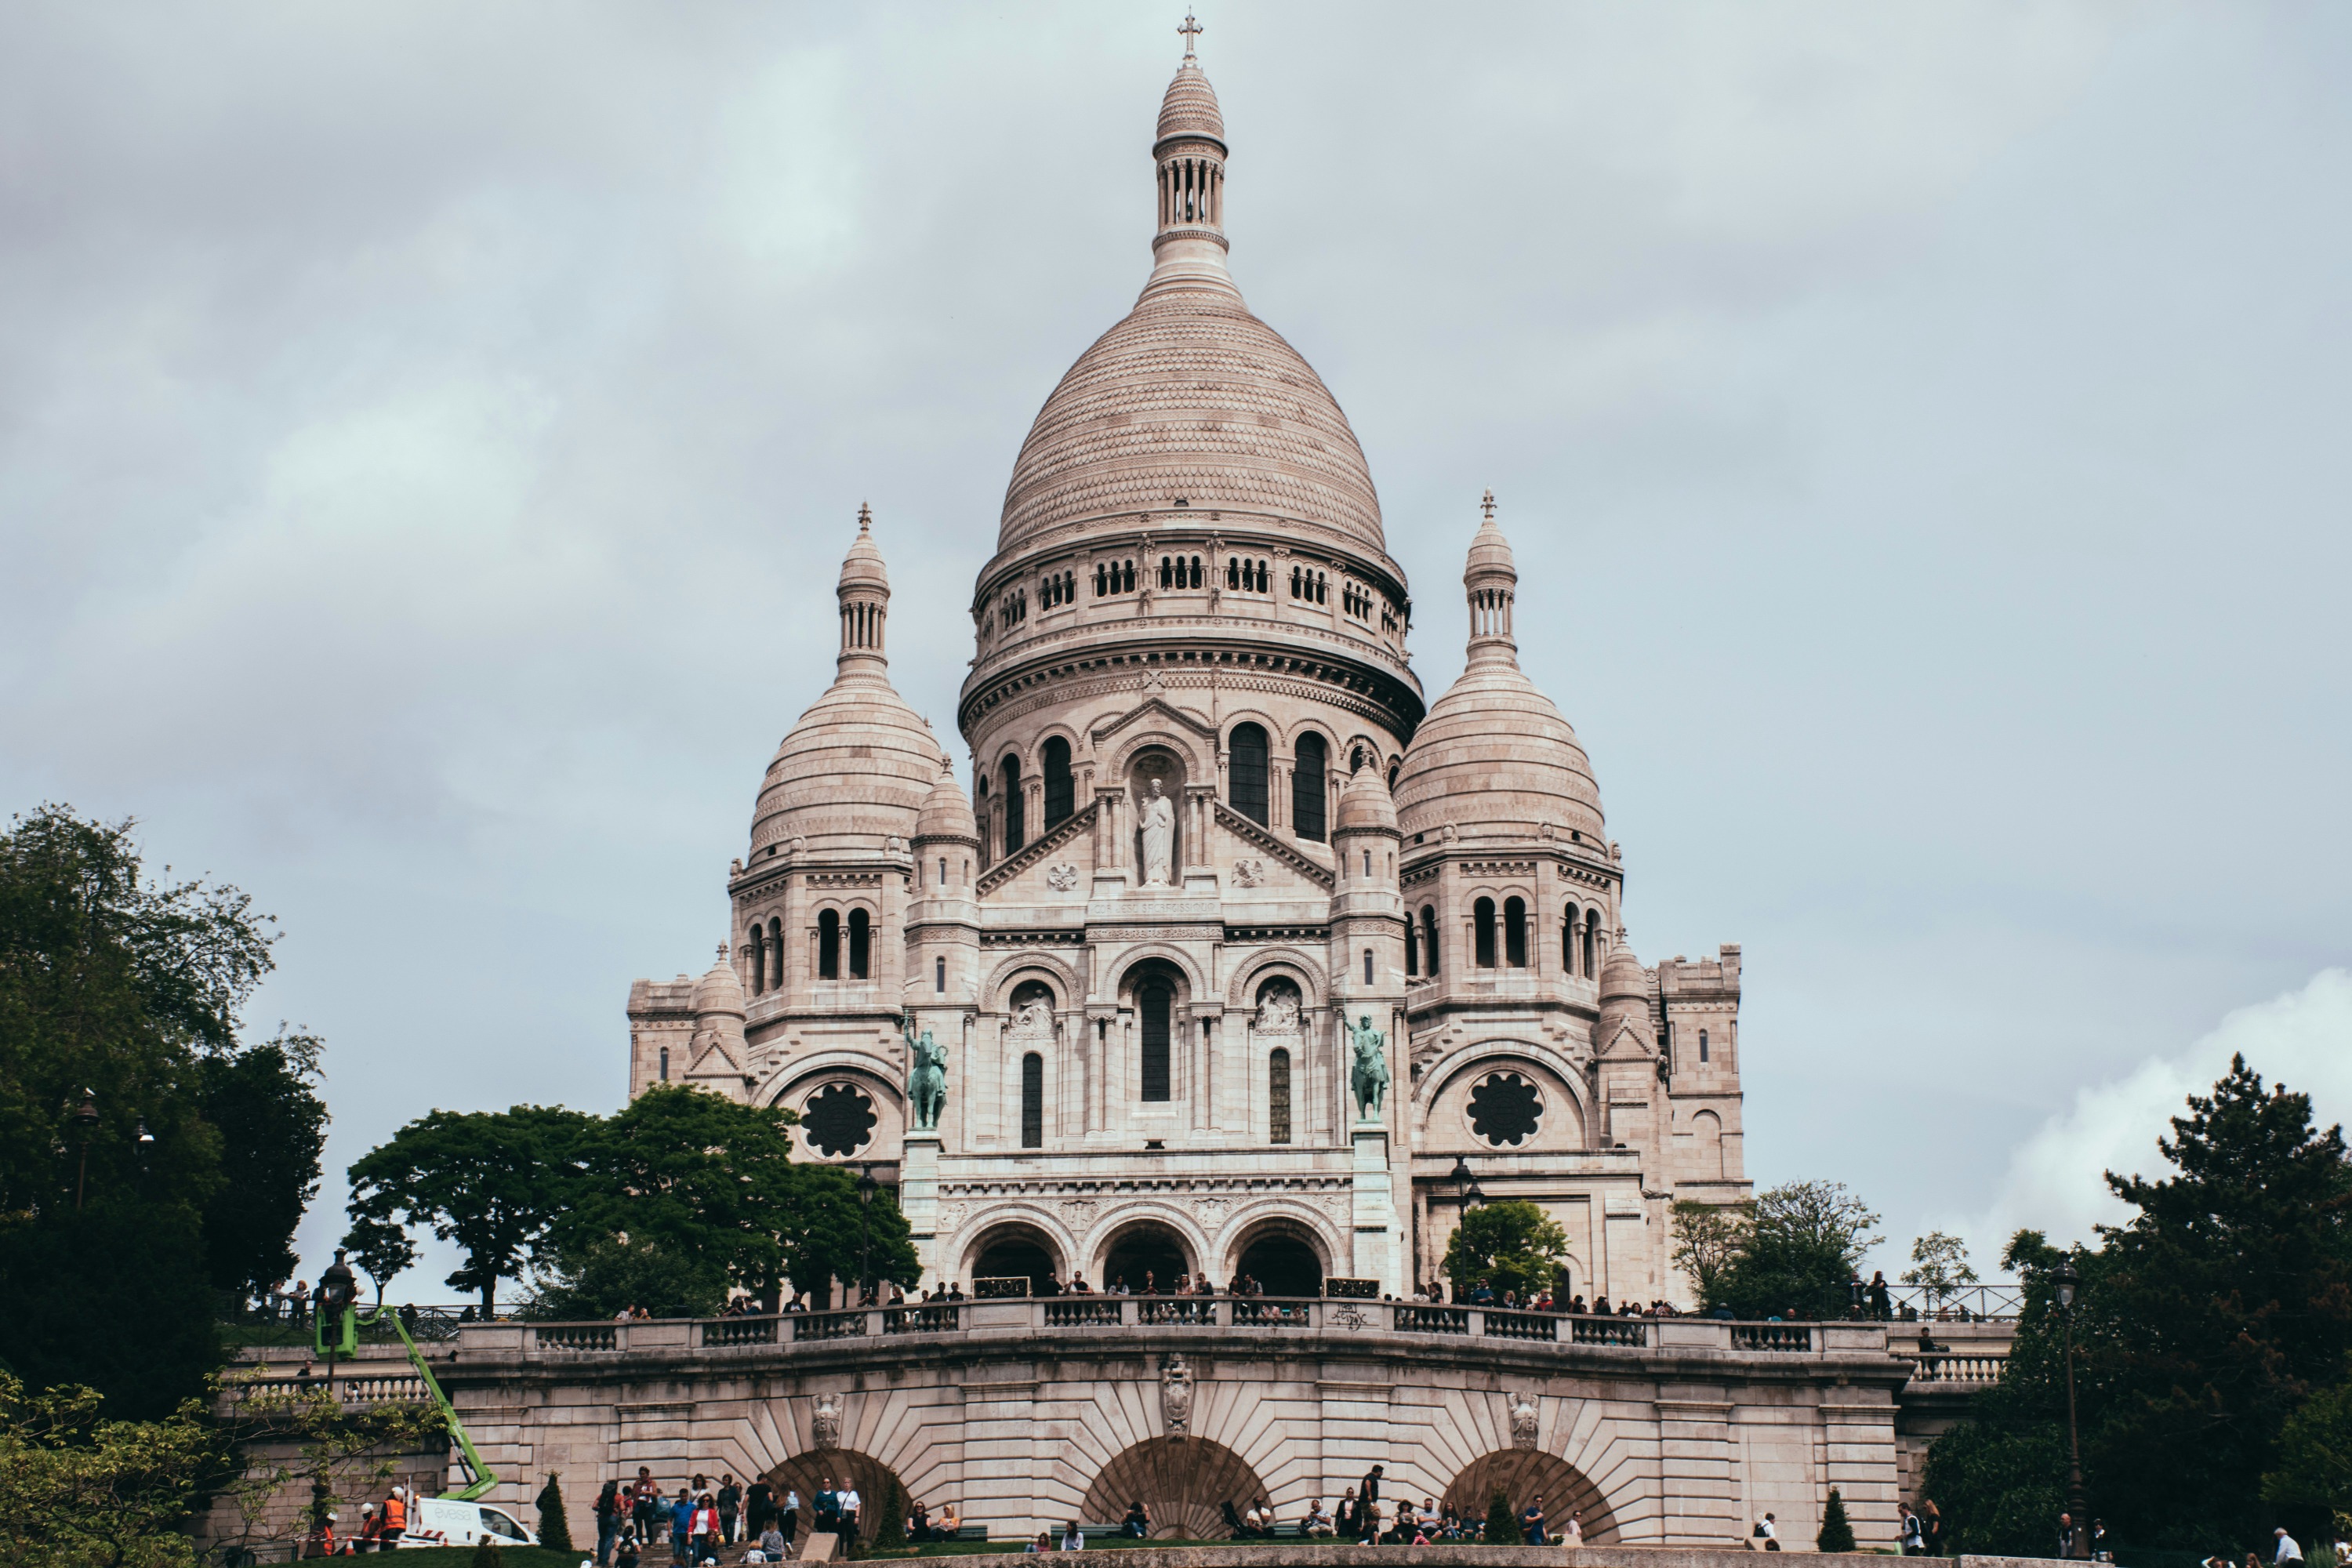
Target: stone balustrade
(1212,1317)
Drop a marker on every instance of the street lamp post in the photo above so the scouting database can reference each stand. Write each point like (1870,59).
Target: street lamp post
(2078,1542)
(85,1118)
(866,1187)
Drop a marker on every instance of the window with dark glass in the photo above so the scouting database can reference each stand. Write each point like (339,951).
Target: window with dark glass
(1368,966)
(1033,1101)
(1568,941)
(939,975)
(1155,1002)
(861,945)
(1013,837)
(1411,947)
(1278,1096)
(1307,786)
(1060,788)
(828,945)
(1429,939)
(1515,933)
(1245,772)
(1702,1045)
(1481,922)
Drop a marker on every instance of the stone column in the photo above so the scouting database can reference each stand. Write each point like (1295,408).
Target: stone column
(1375,1211)
(918,1197)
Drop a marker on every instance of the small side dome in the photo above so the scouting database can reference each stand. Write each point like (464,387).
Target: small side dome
(1621,977)
(720,993)
(1365,806)
(946,813)
(1490,552)
(1190,106)
(862,567)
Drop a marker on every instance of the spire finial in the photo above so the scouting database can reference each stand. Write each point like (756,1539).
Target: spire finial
(864,518)
(1190,30)
(722,952)
(1487,506)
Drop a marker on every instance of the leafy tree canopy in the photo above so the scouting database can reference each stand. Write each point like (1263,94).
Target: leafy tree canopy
(77,1490)
(1939,1265)
(2201,1328)
(493,1182)
(1794,1254)
(197,1151)
(1511,1244)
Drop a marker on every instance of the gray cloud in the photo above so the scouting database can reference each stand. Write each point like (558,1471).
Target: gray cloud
(426,438)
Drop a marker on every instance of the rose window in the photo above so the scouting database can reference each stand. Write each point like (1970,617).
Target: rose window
(838,1120)
(1504,1108)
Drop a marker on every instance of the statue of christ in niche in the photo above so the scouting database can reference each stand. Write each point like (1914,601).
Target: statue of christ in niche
(1155,820)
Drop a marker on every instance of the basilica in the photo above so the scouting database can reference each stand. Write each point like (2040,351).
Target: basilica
(1225,952)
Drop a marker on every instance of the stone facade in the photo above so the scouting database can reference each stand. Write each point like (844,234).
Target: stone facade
(1209,838)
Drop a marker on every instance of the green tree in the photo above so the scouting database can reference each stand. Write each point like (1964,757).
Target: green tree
(1502,1524)
(1803,1243)
(1707,1240)
(1512,1244)
(710,1186)
(890,1519)
(554,1528)
(1939,1266)
(596,1279)
(124,1089)
(2200,1329)
(77,1490)
(2313,1469)
(304,1445)
(1837,1530)
(273,1129)
(495,1183)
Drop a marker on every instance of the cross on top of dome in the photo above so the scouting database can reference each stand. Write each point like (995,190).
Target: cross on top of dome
(1190,30)
(1487,506)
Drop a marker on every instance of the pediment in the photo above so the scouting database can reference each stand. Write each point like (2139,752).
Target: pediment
(1152,708)
(1266,846)
(1628,1044)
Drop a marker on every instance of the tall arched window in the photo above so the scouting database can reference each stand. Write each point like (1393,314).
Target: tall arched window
(1060,788)
(1568,941)
(1411,948)
(1482,918)
(1429,939)
(1515,933)
(828,945)
(1278,1096)
(1590,921)
(1013,837)
(1246,775)
(1702,1045)
(755,955)
(940,976)
(664,1064)
(1154,1001)
(1307,786)
(1033,1101)
(861,945)
(775,953)
(1368,966)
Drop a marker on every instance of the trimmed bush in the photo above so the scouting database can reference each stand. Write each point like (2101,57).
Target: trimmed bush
(1837,1530)
(554,1530)
(1502,1524)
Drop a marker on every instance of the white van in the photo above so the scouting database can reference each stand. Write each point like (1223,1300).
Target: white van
(444,1521)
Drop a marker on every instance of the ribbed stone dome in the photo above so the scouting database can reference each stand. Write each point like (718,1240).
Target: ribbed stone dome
(1191,398)
(720,991)
(1495,760)
(1190,106)
(855,769)
(1364,804)
(947,814)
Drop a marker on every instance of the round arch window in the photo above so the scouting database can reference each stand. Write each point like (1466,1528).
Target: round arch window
(838,1119)
(1504,1108)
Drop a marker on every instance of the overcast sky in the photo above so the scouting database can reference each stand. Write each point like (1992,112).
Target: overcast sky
(429,434)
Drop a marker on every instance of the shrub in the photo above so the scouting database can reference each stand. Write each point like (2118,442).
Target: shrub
(486,1554)
(554,1530)
(1837,1530)
(1502,1524)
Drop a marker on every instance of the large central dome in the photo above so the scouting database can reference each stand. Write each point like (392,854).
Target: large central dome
(1191,398)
